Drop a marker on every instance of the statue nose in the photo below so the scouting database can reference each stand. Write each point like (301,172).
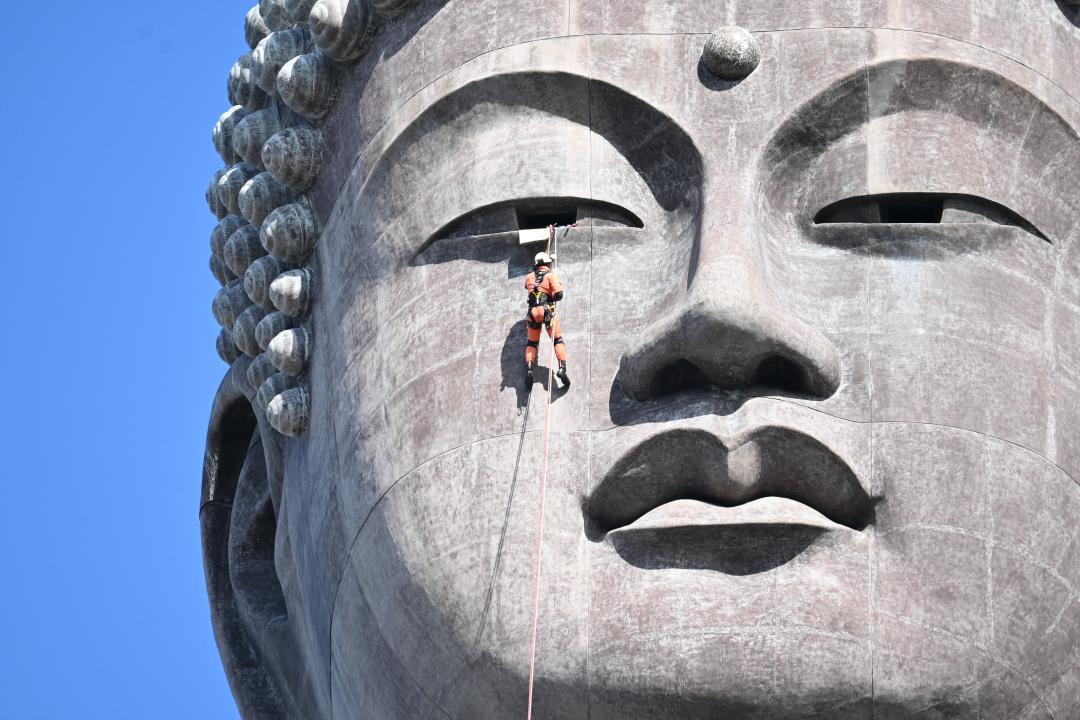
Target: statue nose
(730,333)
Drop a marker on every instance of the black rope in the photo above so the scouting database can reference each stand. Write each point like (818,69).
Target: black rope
(505,525)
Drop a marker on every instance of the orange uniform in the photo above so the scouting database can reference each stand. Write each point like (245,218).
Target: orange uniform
(542,299)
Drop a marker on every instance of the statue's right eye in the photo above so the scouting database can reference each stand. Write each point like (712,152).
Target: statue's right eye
(536,213)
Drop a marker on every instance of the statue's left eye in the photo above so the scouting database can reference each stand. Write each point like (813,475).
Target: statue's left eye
(922,208)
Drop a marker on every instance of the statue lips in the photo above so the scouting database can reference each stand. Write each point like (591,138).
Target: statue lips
(682,496)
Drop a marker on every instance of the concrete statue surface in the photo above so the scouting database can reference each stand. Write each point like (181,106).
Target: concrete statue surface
(820,456)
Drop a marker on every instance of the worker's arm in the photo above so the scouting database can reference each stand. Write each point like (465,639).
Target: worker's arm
(555,288)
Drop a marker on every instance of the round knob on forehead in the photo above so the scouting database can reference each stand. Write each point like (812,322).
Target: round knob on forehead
(731,53)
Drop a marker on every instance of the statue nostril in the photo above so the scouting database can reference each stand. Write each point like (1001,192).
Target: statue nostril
(774,371)
(778,372)
(679,375)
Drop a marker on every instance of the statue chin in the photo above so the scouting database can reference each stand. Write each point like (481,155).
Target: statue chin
(821,276)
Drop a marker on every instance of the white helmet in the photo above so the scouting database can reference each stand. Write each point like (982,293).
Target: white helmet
(542,258)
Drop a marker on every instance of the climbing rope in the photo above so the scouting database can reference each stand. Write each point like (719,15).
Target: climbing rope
(540,533)
(502,534)
(553,245)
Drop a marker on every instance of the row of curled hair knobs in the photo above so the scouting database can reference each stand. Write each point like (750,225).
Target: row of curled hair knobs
(271,142)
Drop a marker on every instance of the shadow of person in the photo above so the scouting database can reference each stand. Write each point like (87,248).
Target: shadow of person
(512,362)
(558,391)
(545,373)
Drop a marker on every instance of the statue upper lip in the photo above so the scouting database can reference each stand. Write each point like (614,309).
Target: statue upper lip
(728,471)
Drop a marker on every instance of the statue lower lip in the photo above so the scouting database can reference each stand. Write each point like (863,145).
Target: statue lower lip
(743,540)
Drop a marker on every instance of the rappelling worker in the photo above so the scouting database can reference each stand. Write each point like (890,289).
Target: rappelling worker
(545,290)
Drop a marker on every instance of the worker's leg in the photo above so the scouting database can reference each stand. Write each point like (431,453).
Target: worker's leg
(535,323)
(555,333)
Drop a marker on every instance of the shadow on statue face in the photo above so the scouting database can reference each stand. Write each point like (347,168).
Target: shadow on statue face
(1071,10)
(822,332)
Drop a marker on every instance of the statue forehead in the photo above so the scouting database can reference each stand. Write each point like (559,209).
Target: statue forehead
(1024,29)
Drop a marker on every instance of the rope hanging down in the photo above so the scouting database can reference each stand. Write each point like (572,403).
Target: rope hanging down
(553,244)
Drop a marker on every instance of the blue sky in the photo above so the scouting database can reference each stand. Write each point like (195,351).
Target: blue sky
(109,360)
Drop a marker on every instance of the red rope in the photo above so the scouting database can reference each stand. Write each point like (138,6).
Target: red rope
(540,527)
(536,579)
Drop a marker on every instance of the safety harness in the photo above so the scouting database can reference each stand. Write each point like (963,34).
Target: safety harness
(539,298)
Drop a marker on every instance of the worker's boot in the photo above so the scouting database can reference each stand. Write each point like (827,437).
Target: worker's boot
(563,377)
(529,379)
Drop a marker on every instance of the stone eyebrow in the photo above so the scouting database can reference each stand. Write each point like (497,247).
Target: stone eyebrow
(1021,149)
(968,91)
(643,134)
(420,143)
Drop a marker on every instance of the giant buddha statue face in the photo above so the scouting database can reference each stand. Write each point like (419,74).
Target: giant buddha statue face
(819,459)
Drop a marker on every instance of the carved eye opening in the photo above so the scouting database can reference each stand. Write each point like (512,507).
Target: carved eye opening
(537,213)
(489,233)
(922,208)
(542,217)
